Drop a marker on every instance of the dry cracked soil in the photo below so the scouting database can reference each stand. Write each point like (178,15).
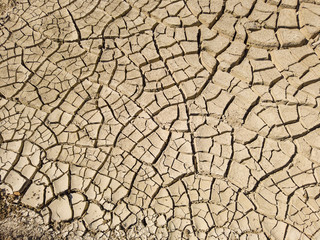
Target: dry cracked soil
(160,119)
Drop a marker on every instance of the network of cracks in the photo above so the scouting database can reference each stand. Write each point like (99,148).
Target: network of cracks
(163,119)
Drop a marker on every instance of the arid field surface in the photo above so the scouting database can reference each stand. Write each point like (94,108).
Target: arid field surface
(160,119)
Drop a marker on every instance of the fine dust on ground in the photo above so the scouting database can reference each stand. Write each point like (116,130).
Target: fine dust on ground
(19,224)
(5,5)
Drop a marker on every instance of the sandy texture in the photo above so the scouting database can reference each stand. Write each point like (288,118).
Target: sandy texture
(5,6)
(145,119)
(17,222)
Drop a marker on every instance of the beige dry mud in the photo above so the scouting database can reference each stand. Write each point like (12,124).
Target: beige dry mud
(159,119)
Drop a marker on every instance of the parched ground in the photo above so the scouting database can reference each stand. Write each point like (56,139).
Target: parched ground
(160,119)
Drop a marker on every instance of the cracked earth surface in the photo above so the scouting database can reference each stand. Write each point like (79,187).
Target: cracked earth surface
(149,119)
